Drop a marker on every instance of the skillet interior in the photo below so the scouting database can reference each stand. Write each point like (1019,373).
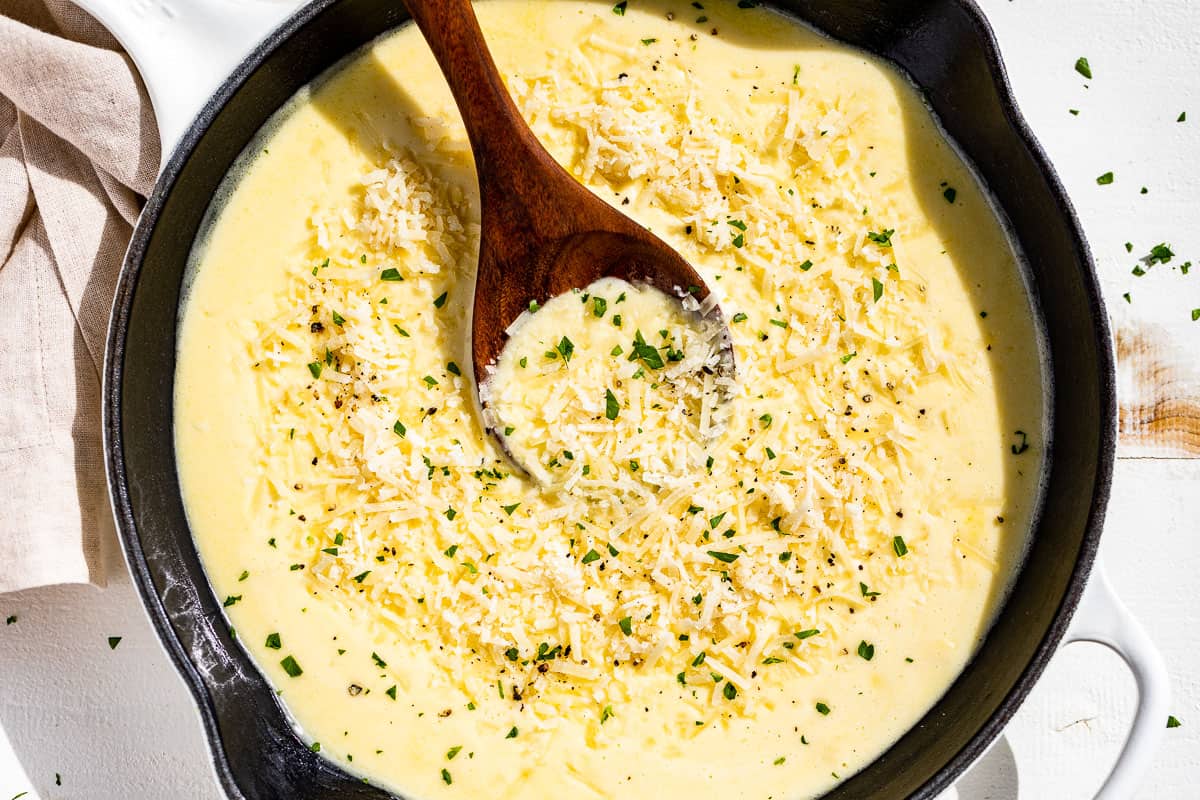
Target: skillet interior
(947,48)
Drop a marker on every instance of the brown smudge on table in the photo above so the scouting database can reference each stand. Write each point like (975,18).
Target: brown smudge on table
(1158,386)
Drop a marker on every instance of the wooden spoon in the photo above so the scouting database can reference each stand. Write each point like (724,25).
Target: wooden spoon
(543,233)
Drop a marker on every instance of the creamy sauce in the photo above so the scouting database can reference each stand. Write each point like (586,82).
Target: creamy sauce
(291,293)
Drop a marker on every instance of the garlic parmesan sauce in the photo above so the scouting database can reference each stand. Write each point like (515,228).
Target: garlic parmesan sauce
(750,587)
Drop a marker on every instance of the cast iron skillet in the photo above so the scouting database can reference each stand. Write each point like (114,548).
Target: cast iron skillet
(947,48)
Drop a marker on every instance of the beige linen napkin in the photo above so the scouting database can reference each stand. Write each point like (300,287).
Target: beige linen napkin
(77,147)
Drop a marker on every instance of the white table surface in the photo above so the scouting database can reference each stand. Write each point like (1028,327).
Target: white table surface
(119,724)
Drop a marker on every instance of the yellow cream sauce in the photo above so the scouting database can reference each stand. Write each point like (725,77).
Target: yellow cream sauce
(403,722)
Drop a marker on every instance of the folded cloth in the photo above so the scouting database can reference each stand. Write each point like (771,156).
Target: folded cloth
(78,148)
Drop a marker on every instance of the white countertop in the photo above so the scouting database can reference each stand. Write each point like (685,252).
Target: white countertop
(119,724)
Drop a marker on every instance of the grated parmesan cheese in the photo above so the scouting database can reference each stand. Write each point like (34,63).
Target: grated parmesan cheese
(685,539)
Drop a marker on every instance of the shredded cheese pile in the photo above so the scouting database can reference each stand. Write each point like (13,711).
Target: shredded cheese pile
(711,556)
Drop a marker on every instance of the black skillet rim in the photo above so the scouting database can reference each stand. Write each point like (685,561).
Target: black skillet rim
(114,366)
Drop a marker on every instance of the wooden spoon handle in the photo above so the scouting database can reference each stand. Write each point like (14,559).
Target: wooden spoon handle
(500,139)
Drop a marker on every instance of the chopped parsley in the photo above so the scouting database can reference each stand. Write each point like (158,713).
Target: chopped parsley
(866,651)
(876,288)
(273,641)
(1083,67)
(619,8)
(440,300)
(565,348)
(626,625)
(1159,254)
(1105,179)
(822,709)
(291,667)
(647,353)
(611,407)
(391,274)
(113,641)
(724,558)
(899,546)
(883,239)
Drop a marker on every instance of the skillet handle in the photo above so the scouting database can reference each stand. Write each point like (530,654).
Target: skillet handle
(1103,619)
(184,49)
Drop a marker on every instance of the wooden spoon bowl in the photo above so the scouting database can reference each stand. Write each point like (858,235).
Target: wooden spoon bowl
(542,232)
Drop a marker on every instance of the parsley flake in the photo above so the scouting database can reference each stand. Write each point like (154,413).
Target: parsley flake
(611,407)
(291,667)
